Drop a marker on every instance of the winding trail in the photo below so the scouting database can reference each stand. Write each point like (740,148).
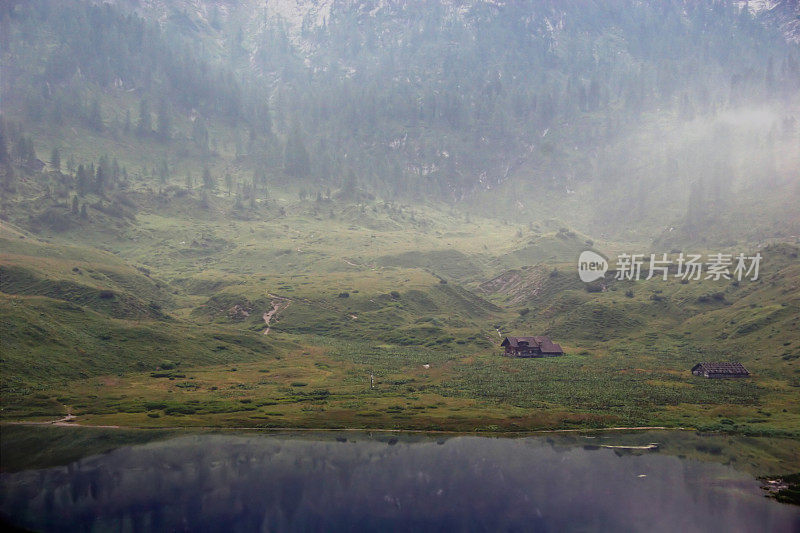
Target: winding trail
(278,304)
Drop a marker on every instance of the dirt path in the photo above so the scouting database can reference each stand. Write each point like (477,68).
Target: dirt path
(278,304)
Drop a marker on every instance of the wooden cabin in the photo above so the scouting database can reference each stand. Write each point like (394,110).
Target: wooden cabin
(720,370)
(531,347)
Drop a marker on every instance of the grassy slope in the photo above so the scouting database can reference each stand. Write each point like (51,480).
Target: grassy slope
(72,312)
(418,295)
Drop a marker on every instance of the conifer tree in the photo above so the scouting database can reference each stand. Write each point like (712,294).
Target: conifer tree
(296,160)
(145,125)
(163,123)
(82,180)
(95,117)
(55,159)
(209,182)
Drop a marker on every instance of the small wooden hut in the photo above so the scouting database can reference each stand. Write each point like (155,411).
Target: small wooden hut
(720,370)
(538,346)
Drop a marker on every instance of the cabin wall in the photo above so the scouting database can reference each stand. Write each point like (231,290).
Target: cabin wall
(511,352)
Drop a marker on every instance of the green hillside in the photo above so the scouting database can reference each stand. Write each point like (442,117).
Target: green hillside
(210,216)
(340,321)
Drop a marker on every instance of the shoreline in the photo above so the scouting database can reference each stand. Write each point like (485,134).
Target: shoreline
(70,422)
(60,423)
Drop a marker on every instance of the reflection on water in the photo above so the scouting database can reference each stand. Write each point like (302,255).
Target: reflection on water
(277,483)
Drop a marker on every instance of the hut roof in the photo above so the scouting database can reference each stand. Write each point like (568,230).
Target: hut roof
(543,343)
(726,369)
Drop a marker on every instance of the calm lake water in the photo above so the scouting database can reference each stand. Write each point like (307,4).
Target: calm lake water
(315,482)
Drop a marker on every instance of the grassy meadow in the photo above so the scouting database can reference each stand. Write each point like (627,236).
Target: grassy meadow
(388,317)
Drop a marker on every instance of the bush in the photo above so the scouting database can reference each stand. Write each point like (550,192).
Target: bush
(717,297)
(180,410)
(170,375)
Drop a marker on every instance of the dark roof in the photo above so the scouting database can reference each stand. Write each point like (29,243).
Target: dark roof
(732,369)
(35,165)
(543,343)
(551,347)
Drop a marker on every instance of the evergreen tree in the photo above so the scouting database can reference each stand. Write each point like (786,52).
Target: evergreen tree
(30,152)
(348,191)
(95,118)
(200,134)
(5,158)
(295,159)
(209,182)
(55,159)
(82,179)
(6,169)
(145,125)
(163,123)
(100,178)
(24,150)
(263,118)
(163,172)
(256,181)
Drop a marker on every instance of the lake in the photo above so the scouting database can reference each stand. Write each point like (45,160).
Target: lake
(361,481)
